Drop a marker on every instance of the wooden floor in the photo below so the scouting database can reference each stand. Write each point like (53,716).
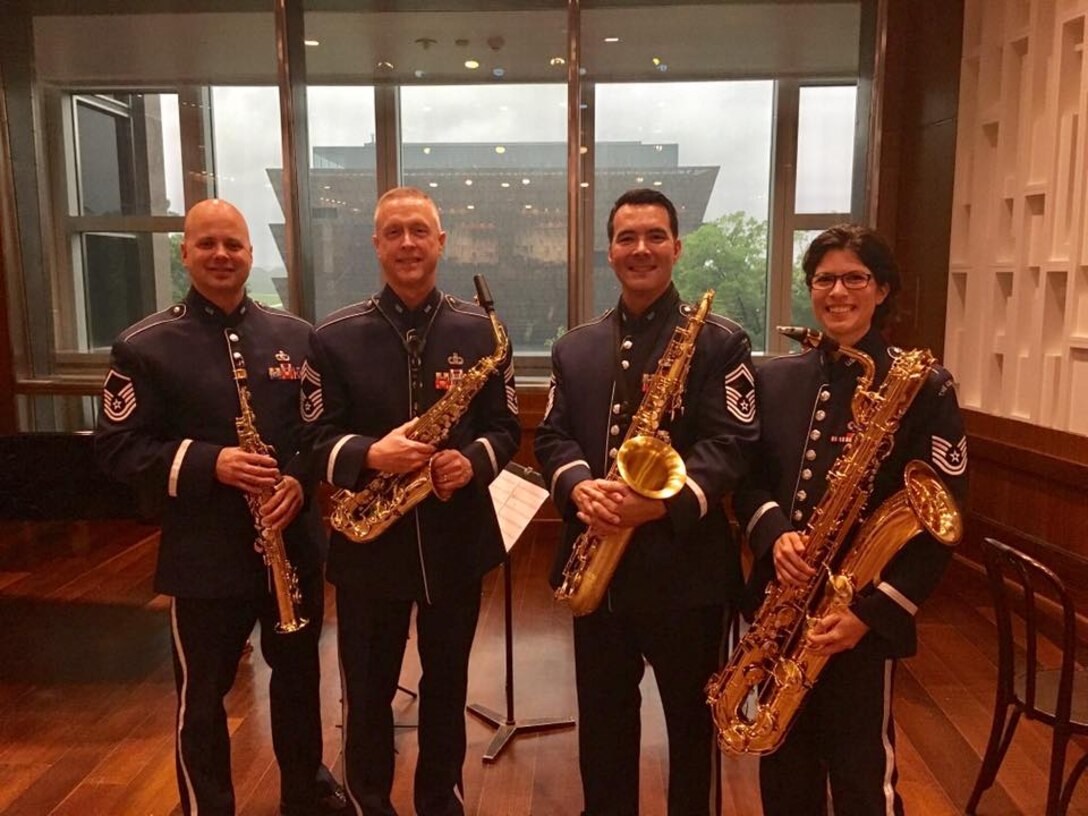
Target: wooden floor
(87,698)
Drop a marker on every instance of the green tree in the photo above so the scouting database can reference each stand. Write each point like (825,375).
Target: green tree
(179,275)
(730,256)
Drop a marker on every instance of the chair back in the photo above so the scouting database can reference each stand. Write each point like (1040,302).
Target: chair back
(1022,585)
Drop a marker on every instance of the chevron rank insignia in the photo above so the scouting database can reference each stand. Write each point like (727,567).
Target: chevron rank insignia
(949,457)
(740,394)
(511,391)
(118,397)
(311,401)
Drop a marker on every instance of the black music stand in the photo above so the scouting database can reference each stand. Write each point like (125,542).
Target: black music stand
(509,727)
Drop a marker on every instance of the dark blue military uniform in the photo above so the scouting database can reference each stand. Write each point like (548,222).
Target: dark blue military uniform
(169,407)
(375,366)
(847,724)
(666,600)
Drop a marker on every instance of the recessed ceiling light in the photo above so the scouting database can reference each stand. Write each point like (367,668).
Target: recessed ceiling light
(505,184)
(611,39)
(427,151)
(498,73)
(584,184)
(432,183)
(656,60)
(468,182)
(525,181)
(500,149)
(638,179)
(471,207)
(657,184)
(420,74)
(384,65)
(528,206)
(472,65)
(312,43)
(558,61)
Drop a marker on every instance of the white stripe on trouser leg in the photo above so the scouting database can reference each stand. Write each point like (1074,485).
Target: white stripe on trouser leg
(344,711)
(460,796)
(193,807)
(889,749)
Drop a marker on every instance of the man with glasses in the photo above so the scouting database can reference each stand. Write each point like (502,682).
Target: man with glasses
(378,366)
(845,733)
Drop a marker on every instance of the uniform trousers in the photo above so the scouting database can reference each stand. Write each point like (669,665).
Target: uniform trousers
(844,735)
(683,646)
(372,636)
(208,637)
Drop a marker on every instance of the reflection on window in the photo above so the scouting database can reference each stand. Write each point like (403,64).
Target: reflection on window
(825,149)
(494,159)
(343,188)
(248,155)
(706,145)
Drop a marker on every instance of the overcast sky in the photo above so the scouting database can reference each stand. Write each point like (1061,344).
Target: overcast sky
(726,124)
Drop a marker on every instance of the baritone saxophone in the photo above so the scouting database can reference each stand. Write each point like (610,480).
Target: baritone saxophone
(756,697)
(645,461)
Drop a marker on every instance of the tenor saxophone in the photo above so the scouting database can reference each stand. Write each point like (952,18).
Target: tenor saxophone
(366,514)
(772,664)
(645,461)
(269,542)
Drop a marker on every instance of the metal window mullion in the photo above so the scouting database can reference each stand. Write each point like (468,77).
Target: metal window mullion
(577,288)
(783,194)
(387,144)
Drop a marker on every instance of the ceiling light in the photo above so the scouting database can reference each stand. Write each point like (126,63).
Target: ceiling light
(528,206)
(313,43)
(468,182)
(656,61)
(384,65)
(498,73)
(525,181)
(472,65)
(611,39)
(505,184)
(326,187)
(638,179)
(500,149)
(657,184)
(584,184)
(432,183)
(420,74)
(471,207)
(558,61)
(426,151)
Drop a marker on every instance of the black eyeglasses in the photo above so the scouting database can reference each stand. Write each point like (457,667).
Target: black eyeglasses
(851,280)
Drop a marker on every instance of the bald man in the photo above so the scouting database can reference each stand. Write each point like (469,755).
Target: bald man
(167,427)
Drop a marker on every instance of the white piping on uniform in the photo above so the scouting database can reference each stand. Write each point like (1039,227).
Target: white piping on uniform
(564,469)
(889,749)
(763,508)
(330,466)
(483,440)
(175,468)
(699,494)
(897,596)
(345,711)
(193,805)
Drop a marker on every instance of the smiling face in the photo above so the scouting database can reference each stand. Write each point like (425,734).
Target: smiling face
(846,314)
(642,253)
(217,252)
(408,239)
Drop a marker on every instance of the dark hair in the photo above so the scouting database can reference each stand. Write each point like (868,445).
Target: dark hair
(871,250)
(644,195)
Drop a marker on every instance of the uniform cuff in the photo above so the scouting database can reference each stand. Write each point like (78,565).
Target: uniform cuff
(347,460)
(565,478)
(485,464)
(687,507)
(765,527)
(192,470)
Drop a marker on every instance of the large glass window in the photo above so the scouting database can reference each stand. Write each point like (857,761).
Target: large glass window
(748,125)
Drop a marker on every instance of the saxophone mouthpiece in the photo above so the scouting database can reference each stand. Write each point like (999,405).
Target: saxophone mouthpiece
(483,293)
(810,338)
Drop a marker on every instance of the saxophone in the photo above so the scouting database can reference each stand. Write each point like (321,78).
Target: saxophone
(365,515)
(269,542)
(645,461)
(772,659)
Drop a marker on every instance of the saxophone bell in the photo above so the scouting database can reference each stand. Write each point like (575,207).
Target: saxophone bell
(651,467)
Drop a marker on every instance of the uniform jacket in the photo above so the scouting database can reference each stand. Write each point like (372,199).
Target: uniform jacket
(169,406)
(687,558)
(357,388)
(805,403)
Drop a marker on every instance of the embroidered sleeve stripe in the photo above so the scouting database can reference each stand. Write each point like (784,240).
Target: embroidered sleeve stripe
(551,397)
(512,399)
(175,468)
(700,496)
(951,459)
(756,516)
(564,469)
(330,469)
(908,606)
(310,373)
(490,454)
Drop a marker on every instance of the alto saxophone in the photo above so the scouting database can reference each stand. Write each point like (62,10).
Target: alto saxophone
(269,542)
(773,659)
(645,461)
(365,515)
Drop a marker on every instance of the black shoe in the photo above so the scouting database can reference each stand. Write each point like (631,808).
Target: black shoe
(329,798)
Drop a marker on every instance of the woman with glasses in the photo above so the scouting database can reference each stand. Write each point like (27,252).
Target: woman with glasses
(844,738)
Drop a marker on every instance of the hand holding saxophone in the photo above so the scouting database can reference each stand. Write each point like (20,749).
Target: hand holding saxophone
(450,471)
(249,472)
(835,632)
(789,559)
(397,453)
(282,505)
(610,506)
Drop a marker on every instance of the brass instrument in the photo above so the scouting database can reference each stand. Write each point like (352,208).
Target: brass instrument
(645,461)
(365,515)
(773,659)
(269,542)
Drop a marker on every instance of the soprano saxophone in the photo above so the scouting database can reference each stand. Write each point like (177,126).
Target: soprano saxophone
(269,542)
(365,515)
(772,661)
(645,461)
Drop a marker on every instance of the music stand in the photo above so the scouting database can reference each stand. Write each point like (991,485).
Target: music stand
(517,493)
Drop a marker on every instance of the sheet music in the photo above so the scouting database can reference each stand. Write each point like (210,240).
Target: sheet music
(516,501)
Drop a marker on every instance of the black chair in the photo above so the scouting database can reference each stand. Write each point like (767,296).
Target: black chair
(1055,696)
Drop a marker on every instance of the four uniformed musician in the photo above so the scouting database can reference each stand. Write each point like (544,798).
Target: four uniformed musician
(167,426)
(666,600)
(846,731)
(377,366)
